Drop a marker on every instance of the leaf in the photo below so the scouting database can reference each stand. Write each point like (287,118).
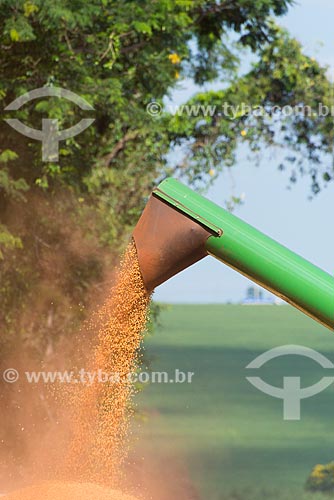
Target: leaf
(19,29)
(8,155)
(8,240)
(14,35)
(142,27)
(29,8)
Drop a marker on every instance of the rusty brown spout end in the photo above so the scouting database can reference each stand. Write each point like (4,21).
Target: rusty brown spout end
(167,242)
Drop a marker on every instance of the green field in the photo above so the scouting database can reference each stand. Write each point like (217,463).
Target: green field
(231,436)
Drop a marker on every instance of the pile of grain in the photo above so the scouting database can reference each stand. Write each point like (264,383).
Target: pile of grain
(67,491)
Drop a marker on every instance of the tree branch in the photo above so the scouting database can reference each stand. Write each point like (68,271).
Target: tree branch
(129,136)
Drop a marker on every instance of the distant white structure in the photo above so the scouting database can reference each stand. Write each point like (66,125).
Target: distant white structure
(255,297)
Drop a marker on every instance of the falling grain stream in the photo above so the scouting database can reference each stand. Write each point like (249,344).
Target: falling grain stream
(100,412)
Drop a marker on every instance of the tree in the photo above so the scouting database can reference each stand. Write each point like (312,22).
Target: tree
(285,101)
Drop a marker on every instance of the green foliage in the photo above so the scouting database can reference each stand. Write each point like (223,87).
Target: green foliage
(9,186)
(276,104)
(14,189)
(321,478)
(7,240)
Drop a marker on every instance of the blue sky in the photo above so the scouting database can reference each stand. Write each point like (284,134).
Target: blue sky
(286,215)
